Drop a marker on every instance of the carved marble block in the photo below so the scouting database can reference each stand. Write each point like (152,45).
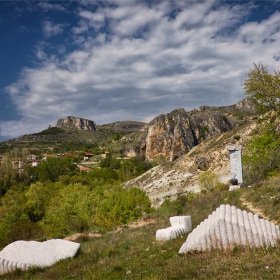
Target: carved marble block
(228,227)
(25,254)
(235,154)
(179,225)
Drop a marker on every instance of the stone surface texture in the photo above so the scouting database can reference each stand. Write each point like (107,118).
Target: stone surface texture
(25,254)
(173,134)
(76,123)
(179,225)
(128,125)
(234,187)
(228,227)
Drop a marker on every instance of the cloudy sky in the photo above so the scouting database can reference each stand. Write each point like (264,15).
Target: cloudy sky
(116,60)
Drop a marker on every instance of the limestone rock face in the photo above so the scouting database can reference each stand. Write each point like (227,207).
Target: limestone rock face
(76,123)
(128,125)
(245,104)
(169,135)
(25,254)
(209,123)
(172,134)
(228,227)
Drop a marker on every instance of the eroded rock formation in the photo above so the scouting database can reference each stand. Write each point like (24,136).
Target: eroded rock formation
(172,134)
(76,123)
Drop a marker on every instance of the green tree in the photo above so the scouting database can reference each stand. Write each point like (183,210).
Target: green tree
(120,206)
(72,211)
(260,159)
(8,174)
(51,168)
(263,88)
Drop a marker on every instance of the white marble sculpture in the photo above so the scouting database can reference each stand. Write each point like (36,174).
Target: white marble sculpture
(25,254)
(179,225)
(227,227)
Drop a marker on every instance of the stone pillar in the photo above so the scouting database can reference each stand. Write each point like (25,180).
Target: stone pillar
(235,153)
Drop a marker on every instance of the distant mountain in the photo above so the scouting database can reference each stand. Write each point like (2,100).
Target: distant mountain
(169,135)
(76,123)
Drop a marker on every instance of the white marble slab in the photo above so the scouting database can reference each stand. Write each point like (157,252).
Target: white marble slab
(25,254)
(179,225)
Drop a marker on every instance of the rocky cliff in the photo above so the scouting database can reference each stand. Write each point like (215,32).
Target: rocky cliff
(173,134)
(76,123)
(128,125)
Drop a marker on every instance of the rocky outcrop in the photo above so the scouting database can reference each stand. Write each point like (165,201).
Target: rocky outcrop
(246,105)
(169,135)
(128,125)
(76,123)
(172,134)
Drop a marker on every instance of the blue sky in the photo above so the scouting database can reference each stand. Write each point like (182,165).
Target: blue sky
(127,60)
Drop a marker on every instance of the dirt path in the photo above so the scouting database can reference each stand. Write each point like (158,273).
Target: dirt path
(254,209)
(137,224)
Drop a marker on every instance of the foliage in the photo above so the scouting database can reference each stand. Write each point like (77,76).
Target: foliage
(132,168)
(102,175)
(7,174)
(71,212)
(208,180)
(120,207)
(51,130)
(53,167)
(117,136)
(263,88)
(260,160)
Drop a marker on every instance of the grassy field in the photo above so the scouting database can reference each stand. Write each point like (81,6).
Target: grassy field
(133,253)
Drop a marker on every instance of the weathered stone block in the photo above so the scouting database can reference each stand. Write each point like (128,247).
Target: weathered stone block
(179,225)
(25,254)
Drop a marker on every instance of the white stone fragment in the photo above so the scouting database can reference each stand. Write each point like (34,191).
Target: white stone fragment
(25,254)
(179,225)
(227,227)
(234,187)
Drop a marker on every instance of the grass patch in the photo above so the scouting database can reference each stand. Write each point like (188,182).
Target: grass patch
(133,253)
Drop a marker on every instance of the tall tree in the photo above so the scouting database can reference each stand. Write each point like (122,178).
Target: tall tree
(263,88)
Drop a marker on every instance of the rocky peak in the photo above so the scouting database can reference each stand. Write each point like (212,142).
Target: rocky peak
(173,134)
(76,123)
(245,104)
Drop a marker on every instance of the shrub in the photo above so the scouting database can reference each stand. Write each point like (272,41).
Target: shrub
(236,137)
(261,160)
(208,180)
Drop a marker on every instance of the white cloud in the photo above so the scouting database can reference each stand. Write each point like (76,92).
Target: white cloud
(52,29)
(138,61)
(46,6)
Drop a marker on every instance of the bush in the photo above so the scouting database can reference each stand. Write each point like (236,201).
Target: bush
(208,180)
(261,160)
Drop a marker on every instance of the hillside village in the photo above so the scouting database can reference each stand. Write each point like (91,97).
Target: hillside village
(85,159)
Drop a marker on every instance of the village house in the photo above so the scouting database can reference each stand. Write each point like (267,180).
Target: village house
(36,162)
(32,157)
(87,156)
(45,156)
